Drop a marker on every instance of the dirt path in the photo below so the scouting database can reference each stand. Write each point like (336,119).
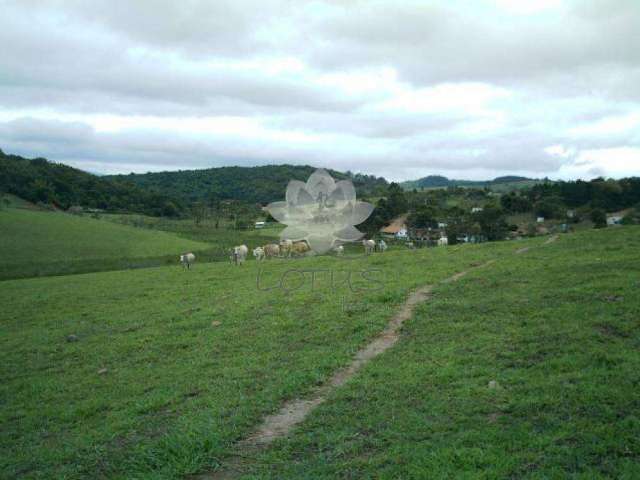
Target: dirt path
(551,239)
(295,411)
(547,242)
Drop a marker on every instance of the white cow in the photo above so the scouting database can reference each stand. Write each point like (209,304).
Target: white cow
(339,250)
(271,250)
(382,246)
(369,246)
(286,246)
(187,259)
(239,254)
(258,252)
(443,242)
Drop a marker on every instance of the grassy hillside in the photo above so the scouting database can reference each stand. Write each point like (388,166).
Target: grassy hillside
(556,328)
(169,368)
(36,243)
(179,389)
(221,238)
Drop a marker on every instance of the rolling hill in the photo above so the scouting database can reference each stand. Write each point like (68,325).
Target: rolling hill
(37,243)
(158,193)
(438,181)
(41,181)
(262,184)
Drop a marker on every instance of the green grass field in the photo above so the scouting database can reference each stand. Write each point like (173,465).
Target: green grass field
(557,329)
(37,243)
(168,368)
(221,239)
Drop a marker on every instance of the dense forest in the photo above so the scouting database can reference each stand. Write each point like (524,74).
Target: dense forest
(41,181)
(238,192)
(261,184)
(235,190)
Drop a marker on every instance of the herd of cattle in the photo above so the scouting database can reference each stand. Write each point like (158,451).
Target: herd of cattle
(288,248)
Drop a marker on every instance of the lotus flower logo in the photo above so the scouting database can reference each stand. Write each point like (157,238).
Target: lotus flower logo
(321,212)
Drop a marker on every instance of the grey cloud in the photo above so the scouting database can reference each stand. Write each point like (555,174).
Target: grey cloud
(92,71)
(442,43)
(153,150)
(161,58)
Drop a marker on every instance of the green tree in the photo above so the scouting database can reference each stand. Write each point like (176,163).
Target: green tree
(422,217)
(549,207)
(198,212)
(169,209)
(514,203)
(396,200)
(599,218)
(492,222)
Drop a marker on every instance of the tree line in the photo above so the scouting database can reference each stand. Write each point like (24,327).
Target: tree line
(41,181)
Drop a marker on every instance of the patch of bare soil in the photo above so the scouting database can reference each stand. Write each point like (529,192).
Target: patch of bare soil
(551,239)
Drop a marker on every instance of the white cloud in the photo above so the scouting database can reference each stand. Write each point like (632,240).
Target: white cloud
(402,89)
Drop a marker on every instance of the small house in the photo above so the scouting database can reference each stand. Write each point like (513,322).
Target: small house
(260,224)
(402,234)
(477,209)
(397,229)
(614,220)
(540,220)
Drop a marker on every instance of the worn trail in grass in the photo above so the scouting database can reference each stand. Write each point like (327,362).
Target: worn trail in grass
(295,411)
(529,369)
(172,368)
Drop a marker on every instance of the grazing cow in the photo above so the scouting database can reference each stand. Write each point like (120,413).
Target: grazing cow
(443,242)
(339,250)
(300,248)
(285,247)
(410,245)
(382,246)
(271,250)
(187,259)
(258,252)
(239,254)
(369,246)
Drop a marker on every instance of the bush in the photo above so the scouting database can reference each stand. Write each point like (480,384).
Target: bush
(549,207)
(599,218)
(632,218)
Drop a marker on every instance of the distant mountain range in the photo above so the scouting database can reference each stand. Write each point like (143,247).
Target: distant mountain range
(438,181)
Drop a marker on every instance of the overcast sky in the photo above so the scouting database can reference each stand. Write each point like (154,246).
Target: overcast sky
(469,89)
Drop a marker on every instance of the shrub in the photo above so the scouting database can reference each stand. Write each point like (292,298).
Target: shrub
(599,218)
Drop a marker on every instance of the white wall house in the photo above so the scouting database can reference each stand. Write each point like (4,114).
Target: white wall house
(614,220)
(260,224)
(402,234)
